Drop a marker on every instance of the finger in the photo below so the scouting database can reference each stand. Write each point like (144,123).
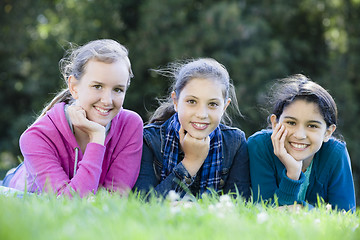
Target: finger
(284,133)
(77,115)
(282,139)
(276,138)
(275,130)
(181,133)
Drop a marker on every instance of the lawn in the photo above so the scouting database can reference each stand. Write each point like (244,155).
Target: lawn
(109,216)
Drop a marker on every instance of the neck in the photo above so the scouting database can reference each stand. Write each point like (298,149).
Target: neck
(306,164)
(82,138)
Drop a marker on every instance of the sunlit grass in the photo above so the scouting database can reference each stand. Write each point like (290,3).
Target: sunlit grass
(109,216)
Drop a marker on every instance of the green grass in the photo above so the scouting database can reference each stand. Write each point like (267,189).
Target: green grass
(106,216)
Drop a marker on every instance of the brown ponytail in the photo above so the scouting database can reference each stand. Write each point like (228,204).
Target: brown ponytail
(63,96)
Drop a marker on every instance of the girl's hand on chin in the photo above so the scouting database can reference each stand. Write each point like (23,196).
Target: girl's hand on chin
(195,151)
(78,118)
(292,166)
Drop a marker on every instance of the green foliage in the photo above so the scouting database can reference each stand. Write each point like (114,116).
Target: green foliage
(107,216)
(257,41)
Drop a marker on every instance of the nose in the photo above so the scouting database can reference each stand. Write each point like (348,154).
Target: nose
(202,112)
(300,133)
(106,98)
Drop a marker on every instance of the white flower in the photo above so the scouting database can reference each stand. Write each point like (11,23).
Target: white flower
(212,208)
(317,221)
(175,209)
(225,203)
(328,207)
(90,198)
(262,217)
(188,204)
(173,196)
(224,199)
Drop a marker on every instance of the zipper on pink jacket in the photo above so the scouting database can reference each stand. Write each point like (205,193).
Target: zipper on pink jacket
(76,159)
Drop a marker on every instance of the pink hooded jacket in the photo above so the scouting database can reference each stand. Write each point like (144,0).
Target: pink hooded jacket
(49,148)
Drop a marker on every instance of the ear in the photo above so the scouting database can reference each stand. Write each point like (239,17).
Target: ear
(73,86)
(227,104)
(273,120)
(329,131)
(175,100)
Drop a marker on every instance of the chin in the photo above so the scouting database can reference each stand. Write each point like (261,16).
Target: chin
(199,135)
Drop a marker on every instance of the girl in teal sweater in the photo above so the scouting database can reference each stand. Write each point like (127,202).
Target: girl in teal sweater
(299,160)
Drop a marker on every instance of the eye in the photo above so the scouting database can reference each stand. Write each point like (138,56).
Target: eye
(97,86)
(291,123)
(213,105)
(191,101)
(313,126)
(119,90)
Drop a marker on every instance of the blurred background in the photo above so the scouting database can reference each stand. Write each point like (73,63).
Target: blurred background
(257,41)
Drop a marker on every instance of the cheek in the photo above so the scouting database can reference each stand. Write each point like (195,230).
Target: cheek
(217,115)
(182,118)
(119,101)
(180,107)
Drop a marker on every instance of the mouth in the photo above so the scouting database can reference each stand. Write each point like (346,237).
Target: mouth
(102,111)
(299,146)
(199,126)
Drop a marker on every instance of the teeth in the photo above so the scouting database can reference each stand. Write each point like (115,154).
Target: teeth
(101,110)
(200,125)
(296,145)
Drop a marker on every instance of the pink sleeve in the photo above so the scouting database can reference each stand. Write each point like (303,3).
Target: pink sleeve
(44,165)
(88,173)
(124,170)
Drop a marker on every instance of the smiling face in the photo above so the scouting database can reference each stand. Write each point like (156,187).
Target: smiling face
(200,106)
(306,128)
(101,90)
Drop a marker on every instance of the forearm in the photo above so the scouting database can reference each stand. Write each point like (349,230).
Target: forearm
(288,190)
(179,181)
(49,174)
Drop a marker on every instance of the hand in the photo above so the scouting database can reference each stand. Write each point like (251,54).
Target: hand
(292,166)
(95,131)
(291,208)
(195,151)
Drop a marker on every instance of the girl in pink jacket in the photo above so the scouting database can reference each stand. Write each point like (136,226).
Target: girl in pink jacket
(84,139)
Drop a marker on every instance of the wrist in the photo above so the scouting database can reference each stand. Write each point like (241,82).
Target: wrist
(97,138)
(293,174)
(191,166)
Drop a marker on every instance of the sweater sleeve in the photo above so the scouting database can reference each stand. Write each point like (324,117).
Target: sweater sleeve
(124,169)
(44,166)
(239,174)
(341,193)
(148,181)
(268,177)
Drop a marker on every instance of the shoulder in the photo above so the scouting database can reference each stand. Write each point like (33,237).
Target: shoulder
(260,136)
(53,120)
(154,128)
(332,160)
(334,145)
(156,125)
(126,125)
(231,133)
(47,128)
(333,149)
(260,142)
(127,120)
(129,116)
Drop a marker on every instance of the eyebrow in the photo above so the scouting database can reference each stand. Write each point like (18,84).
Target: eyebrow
(212,99)
(101,83)
(311,121)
